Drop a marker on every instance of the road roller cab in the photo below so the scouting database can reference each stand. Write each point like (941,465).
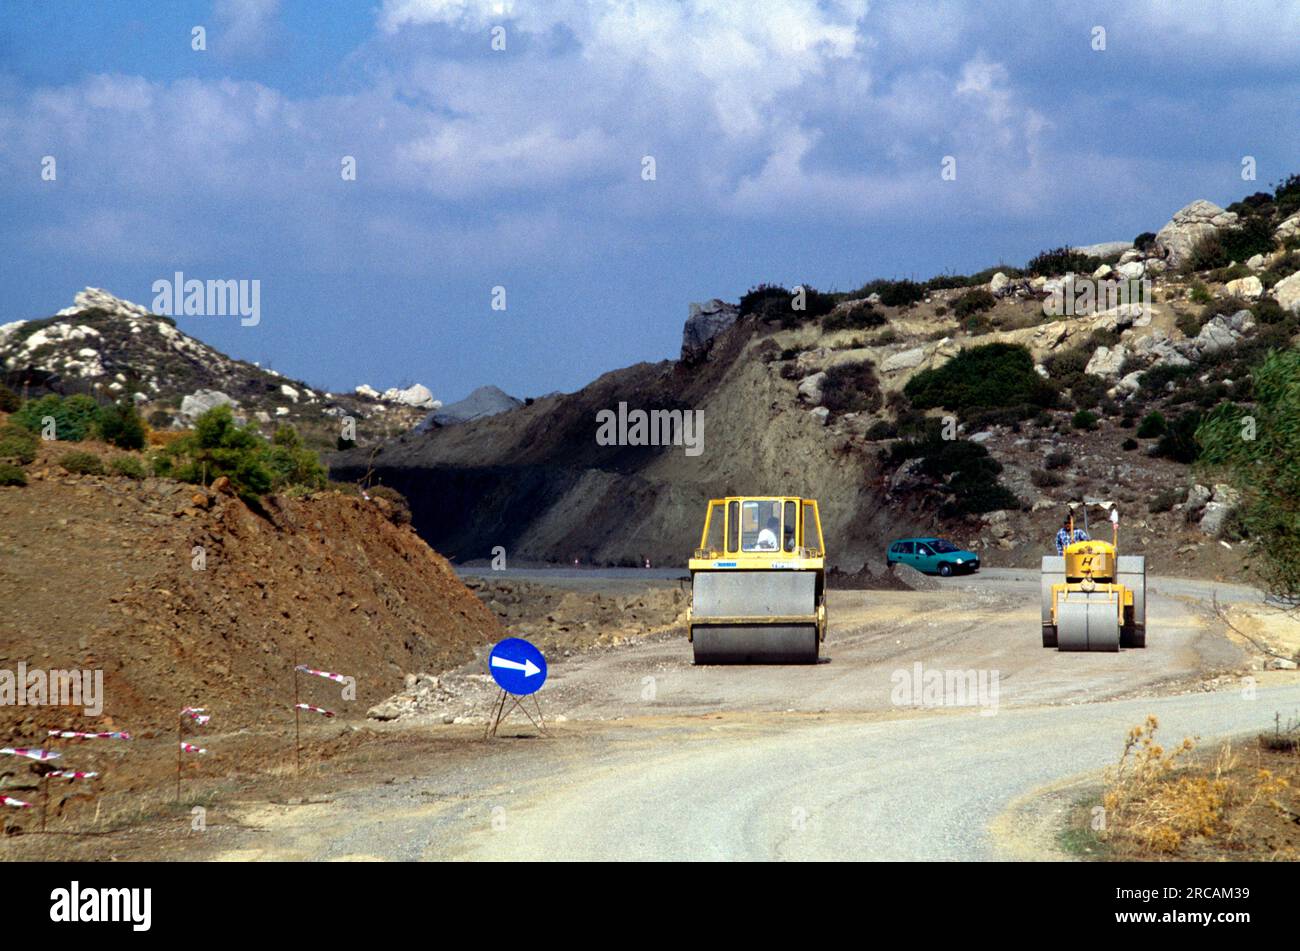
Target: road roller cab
(758,582)
(1094,598)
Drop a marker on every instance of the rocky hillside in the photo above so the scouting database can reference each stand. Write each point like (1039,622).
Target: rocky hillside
(844,397)
(114,349)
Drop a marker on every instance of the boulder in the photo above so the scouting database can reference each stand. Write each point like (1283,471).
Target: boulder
(821,414)
(904,360)
(1132,270)
(1106,361)
(1188,227)
(1215,335)
(810,388)
(1130,382)
(1214,518)
(1247,288)
(416,395)
(1197,497)
(1289,228)
(1103,272)
(200,401)
(998,284)
(1255,262)
(705,322)
(1287,293)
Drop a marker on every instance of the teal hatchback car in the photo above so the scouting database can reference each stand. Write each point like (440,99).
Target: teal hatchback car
(934,556)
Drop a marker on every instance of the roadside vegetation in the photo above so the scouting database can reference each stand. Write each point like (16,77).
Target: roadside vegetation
(1180,802)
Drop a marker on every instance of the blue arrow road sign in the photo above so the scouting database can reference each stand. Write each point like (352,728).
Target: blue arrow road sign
(517,666)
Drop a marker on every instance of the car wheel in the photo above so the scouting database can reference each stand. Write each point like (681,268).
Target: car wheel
(889,563)
(945,569)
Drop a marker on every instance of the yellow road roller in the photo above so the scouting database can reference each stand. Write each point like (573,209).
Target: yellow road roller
(1094,598)
(758,582)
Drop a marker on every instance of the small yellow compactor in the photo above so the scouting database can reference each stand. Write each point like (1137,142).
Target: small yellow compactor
(758,582)
(1094,598)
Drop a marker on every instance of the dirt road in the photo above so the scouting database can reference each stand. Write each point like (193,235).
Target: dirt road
(818,762)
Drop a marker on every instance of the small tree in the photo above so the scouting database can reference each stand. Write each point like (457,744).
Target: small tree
(1258,450)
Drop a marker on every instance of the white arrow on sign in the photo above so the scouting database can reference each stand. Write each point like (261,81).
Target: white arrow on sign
(528,667)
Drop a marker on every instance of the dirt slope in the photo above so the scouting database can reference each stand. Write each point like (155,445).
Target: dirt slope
(97,572)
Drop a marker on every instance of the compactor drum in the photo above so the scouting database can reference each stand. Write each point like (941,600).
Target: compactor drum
(759,583)
(1093,598)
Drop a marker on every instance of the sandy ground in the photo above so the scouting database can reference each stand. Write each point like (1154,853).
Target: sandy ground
(650,757)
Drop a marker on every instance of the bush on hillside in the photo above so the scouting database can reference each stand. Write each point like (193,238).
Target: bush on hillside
(851,388)
(17,444)
(82,463)
(74,416)
(217,446)
(979,379)
(132,467)
(790,307)
(1145,241)
(973,302)
(859,315)
(1084,420)
(1179,441)
(9,400)
(11,474)
(1064,260)
(1265,469)
(964,469)
(1153,424)
(121,425)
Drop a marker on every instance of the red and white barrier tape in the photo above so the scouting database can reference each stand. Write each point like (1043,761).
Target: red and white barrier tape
(197,714)
(70,774)
(337,678)
(307,706)
(16,803)
(40,756)
(78,735)
(191,748)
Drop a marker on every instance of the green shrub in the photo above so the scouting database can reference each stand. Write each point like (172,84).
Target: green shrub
(979,379)
(218,447)
(901,293)
(1045,479)
(774,302)
(1252,236)
(1128,445)
(1200,294)
(9,400)
(1088,391)
(881,429)
(1064,260)
(1145,241)
(1058,459)
(1179,441)
(130,466)
(1153,381)
(973,302)
(851,388)
(74,416)
(856,316)
(1266,468)
(121,425)
(1066,366)
(1084,420)
(17,444)
(964,469)
(82,463)
(1153,424)
(1287,196)
(11,474)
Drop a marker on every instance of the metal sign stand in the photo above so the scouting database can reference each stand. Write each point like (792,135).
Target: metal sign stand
(499,713)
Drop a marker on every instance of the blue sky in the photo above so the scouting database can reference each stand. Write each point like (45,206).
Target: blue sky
(793,142)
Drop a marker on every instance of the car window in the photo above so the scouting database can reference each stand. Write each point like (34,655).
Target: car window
(923,550)
(943,546)
(788,526)
(906,548)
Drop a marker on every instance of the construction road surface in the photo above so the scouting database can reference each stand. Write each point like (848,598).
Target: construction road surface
(661,760)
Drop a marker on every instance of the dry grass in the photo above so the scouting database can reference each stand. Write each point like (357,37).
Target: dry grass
(1176,804)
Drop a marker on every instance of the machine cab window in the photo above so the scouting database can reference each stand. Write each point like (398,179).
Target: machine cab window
(760,525)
